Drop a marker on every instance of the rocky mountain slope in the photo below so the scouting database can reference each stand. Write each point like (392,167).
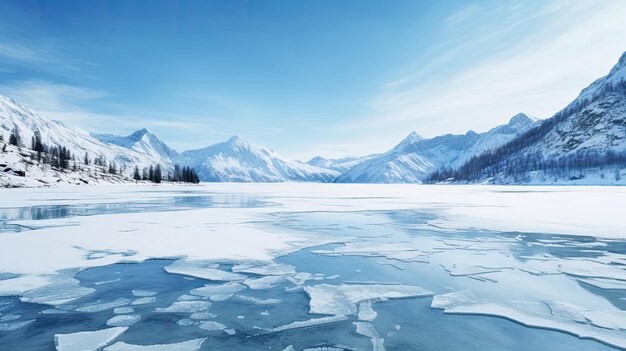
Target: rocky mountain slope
(585,143)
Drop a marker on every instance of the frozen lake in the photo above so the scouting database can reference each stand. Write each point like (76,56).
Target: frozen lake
(313,267)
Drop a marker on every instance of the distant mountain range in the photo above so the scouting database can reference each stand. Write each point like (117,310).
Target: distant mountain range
(585,143)
(414,158)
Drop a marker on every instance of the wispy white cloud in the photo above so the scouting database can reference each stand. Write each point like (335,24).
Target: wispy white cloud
(567,47)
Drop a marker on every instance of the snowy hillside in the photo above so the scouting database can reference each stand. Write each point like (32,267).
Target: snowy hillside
(15,160)
(338,164)
(414,158)
(585,143)
(54,133)
(237,160)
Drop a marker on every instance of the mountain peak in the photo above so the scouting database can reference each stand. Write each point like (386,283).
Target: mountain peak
(520,119)
(233,139)
(413,136)
(140,133)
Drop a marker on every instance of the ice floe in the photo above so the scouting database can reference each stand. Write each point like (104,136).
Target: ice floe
(123,320)
(266,269)
(366,312)
(61,290)
(144,300)
(103,305)
(185,307)
(219,292)
(305,324)
(190,345)
(87,340)
(212,326)
(391,251)
(258,301)
(366,329)
(342,299)
(203,270)
(603,326)
(187,297)
(462,269)
(143,293)
(266,282)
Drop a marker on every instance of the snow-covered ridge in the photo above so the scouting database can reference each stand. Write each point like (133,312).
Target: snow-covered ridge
(238,160)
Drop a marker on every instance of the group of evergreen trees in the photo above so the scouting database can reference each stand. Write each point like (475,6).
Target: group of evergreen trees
(518,169)
(155,174)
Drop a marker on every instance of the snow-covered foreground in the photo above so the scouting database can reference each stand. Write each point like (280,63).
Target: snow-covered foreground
(546,257)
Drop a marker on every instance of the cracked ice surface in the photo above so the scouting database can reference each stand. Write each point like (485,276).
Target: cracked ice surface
(547,314)
(342,299)
(498,268)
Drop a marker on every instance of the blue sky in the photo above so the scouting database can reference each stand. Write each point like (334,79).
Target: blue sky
(303,77)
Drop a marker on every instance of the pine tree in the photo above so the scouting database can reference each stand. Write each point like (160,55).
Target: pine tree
(15,137)
(151,173)
(158,176)
(112,168)
(136,175)
(86,159)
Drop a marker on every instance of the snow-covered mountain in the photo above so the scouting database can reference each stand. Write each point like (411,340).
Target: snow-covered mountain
(145,142)
(55,133)
(238,160)
(414,158)
(585,143)
(338,164)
